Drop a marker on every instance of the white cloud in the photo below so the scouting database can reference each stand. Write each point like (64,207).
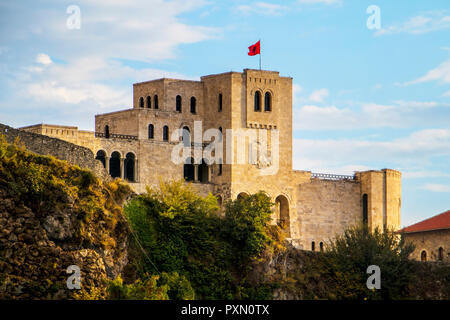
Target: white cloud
(144,30)
(44,59)
(318,95)
(263,8)
(446,94)
(427,22)
(335,155)
(440,73)
(400,114)
(92,77)
(410,174)
(435,187)
(88,79)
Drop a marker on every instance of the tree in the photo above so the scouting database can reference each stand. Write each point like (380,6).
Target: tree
(349,255)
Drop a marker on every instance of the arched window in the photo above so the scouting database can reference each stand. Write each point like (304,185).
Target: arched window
(141,102)
(193,103)
(220,102)
(151,131)
(321,246)
(423,256)
(155,101)
(101,156)
(186,136)
(220,169)
(313,246)
(166,133)
(107,132)
(257,101)
(441,254)
(189,169)
(149,102)
(267,102)
(114,165)
(178,104)
(365,200)
(129,167)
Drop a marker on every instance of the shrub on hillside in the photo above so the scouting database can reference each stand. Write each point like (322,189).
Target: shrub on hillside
(350,254)
(178,231)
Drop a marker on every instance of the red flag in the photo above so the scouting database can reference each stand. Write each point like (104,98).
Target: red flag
(254,49)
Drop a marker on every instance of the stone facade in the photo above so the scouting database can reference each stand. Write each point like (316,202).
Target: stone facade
(430,245)
(311,207)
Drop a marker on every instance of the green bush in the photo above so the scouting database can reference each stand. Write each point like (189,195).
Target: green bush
(349,255)
(183,233)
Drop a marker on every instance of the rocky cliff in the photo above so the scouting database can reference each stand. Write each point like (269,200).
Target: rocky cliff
(54,215)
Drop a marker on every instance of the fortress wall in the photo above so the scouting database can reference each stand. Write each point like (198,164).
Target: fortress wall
(325,208)
(44,145)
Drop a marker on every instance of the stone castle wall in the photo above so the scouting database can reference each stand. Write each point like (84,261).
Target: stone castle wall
(324,209)
(63,150)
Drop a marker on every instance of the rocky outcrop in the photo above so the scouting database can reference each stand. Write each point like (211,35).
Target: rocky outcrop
(52,216)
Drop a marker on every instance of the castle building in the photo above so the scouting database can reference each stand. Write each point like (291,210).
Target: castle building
(253,112)
(430,238)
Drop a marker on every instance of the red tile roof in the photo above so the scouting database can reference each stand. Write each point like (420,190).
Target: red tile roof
(438,222)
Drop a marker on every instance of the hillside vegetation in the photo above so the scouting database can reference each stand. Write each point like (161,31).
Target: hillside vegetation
(53,215)
(171,243)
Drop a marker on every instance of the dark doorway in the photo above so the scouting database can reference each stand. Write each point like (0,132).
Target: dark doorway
(282,213)
(129,167)
(203,172)
(189,169)
(114,165)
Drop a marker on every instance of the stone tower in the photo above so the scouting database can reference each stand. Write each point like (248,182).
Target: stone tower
(381,198)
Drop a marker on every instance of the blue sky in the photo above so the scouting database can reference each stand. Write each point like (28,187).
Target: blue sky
(363,99)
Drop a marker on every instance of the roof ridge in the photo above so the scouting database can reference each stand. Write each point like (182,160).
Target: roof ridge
(436,222)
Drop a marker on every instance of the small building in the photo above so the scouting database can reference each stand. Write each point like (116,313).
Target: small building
(431,238)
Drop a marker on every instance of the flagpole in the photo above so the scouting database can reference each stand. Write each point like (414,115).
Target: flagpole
(259,54)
